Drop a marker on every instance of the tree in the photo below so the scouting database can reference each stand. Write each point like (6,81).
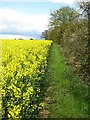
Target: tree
(85,6)
(59,21)
(31,38)
(62,16)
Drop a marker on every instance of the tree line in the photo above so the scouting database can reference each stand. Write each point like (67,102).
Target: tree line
(70,28)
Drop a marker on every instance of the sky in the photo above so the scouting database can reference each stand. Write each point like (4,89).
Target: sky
(27,18)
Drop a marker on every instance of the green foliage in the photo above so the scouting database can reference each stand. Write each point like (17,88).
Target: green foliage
(62,16)
(58,23)
(75,40)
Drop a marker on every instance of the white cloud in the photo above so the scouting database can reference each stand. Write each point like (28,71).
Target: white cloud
(13,36)
(54,1)
(64,1)
(3,27)
(23,0)
(15,21)
(67,1)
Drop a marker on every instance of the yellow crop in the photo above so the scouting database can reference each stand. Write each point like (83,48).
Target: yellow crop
(23,65)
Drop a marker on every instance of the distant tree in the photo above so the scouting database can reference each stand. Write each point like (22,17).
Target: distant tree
(31,38)
(21,39)
(45,34)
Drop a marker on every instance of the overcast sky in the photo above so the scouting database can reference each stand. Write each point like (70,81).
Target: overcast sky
(28,17)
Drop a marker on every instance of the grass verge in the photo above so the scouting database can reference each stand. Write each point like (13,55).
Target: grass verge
(66,94)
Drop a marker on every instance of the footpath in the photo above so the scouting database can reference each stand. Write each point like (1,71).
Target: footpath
(65,93)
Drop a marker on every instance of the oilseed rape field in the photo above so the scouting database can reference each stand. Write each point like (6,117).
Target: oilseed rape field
(22,69)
